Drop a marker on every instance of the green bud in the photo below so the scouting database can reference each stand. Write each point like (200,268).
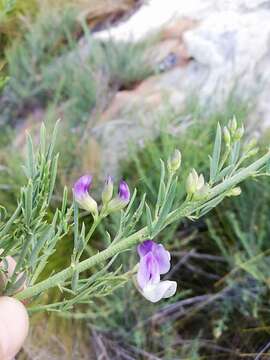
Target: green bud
(201,193)
(194,182)
(191,182)
(174,161)
(232,125)
(234,192)
(227,136)
(195,176)
(107,192)
(89,204)
(239,133)
(200,182)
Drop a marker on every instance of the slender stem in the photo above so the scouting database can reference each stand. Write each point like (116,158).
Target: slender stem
(224,159)
(186,209)
(88,237)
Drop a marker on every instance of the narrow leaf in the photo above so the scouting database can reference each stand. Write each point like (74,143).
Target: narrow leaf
(215,155)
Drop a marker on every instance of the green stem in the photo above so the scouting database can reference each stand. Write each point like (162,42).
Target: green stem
(224,159)
(88,237)
(185,210)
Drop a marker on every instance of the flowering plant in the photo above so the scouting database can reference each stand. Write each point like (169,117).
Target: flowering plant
(28,237)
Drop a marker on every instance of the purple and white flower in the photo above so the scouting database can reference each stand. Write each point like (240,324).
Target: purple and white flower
(82,196)
(154,261)
(122,198)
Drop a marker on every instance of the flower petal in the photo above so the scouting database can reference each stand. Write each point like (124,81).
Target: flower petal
(81,194)
(81,187)
(148,272)
(145,247)
(163,258)
(123,191)
(161,290)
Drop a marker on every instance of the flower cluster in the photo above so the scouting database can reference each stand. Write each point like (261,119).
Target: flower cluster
(85,200)
(154,261)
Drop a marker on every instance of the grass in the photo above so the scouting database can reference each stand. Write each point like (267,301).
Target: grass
(10,12)
(126,63)
(47,65)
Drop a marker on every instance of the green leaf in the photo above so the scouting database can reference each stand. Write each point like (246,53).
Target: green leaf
(28,202)
(267,167)
(14,287)
(76,225)
(215,155)
(53,176)
(224,172)
(53,140)
(30,162)
(235,152)
(3,213)
(42,140)
(161,190)
(149,220)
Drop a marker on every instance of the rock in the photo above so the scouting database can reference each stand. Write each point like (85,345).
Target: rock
(148,95)
(160,13)
(103,13)
(162,51)
(135,116)
(175,29)
(225,44)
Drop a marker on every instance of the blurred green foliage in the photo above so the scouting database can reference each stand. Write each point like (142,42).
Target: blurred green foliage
(10,22)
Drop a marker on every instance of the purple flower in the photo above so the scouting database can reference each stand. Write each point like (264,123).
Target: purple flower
(81,194)
(122,199)
(123,191)
(154,261)
(81,187)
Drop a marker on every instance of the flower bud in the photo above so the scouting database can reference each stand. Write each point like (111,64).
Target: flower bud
(239,133)
(174,161)
(200,182)
(191,182)
(232,125)
(82,197)
(235,191)
(201,193)
(107,192)
(227,136)
(195,183)
(121,200)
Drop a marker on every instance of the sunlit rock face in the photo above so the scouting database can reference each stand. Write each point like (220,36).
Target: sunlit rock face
(234,46)
(230,41)
(211,49)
